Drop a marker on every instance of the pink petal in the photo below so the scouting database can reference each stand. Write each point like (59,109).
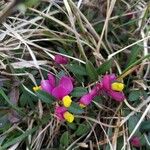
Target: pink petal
(46,86)
(95,90)
(66,82)
(61,59)
(118,96)
(86,99)
(59,92)
(51,79)
(107,81)
(135,141)
(59,111)
(112,77)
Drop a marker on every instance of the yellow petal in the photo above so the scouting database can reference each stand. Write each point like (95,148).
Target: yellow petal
(68,117)
(67,101)
(116,86)
(36,88)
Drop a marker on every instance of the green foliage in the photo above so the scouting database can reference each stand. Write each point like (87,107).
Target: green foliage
(145,126)
(75,108)
(18,139)
(65,139)
(134,95)
(6,98)
(3,121)
(45,97)
(91,71)
(27,99)
(31,3)
(104,67)
(77,69)
(82,129)
(135,51)
(79,91)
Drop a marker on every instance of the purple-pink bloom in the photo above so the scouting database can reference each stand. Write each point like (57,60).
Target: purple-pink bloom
(135,141)
(64,87)
(59,112)
(59,59)
(106,87)
(87,98)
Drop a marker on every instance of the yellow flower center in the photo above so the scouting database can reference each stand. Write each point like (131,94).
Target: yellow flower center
(67,101)
(82,105)
(116,86)
(36,88)
(68,116)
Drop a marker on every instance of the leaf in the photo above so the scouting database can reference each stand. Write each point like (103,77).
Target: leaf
(24,99)
(79,91)
(45,97)
(133,56)
(72,125)
(132,122)
(75,108)
(31,3)
(104,67)
(82,129)
(64,140)
(77,69)
(134,95)
(91,71)
(3,121)
(19,138)
(145,126)
(10,103)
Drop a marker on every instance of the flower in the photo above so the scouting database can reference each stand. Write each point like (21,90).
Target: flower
(135,141)
(62,113)
(36,88)
(112,87)
(64,87)
(59,59)
(59,112)
(87,98)
(67,101)
(60,92)
(68,116)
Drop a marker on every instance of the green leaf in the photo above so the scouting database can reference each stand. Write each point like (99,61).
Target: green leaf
(82,129)
(104,67)
(91,71)
(4,121)
(77,69)
(133,56)
(145,126)
(132,122)
(45,97)
(75,108)
(72,125)
(2,93)
(79,91)
(134,95)
(64,140)
(19,138)
(31,3)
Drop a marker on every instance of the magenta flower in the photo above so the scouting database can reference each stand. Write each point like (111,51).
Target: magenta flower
(59,112)
(87,98)
(135,141)
(59,59)
(112,87)
(64,87)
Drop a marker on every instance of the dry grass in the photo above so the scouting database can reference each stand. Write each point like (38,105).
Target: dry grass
(28,44)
